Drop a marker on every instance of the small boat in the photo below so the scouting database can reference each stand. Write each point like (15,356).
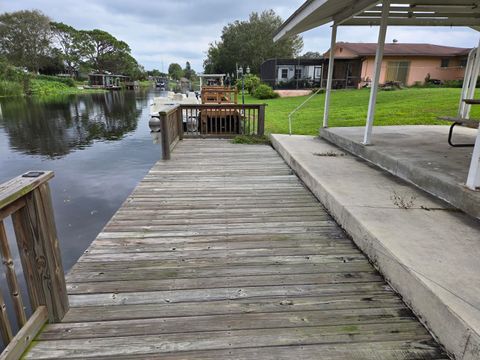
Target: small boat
(170,99)
(162,84)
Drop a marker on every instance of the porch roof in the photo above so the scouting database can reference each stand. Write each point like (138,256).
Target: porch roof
(314,13)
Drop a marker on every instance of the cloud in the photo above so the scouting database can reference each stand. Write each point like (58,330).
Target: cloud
(164,31)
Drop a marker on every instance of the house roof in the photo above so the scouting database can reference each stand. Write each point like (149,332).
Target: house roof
(298,61)
(404,49)
(314,13)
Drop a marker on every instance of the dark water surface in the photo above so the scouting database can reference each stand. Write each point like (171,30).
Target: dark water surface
(99,147)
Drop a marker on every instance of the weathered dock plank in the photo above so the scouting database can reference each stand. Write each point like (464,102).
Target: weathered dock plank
(221,253)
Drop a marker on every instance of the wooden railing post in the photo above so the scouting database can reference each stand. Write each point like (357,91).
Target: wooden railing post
(180,122)
(39,251)
(11,276)
(261,120)
(165,135)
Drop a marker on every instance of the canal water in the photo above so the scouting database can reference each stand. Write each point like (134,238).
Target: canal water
(99,147)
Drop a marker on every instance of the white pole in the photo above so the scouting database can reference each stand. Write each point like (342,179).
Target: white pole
(473,180)
(330,75)
(378,68)
(473,82)
(466,83)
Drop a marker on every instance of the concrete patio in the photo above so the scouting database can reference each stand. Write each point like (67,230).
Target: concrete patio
(419,155)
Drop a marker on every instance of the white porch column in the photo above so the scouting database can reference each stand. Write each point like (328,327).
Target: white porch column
(473,180)
(378,68)
(330,76)
(472,82)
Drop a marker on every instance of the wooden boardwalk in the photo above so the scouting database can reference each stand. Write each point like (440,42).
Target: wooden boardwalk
(222,253)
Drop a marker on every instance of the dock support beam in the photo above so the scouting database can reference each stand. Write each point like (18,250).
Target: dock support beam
(378,69)
(331,61)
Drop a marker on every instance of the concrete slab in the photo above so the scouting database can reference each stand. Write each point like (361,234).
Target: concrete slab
(420,155)
(429,252)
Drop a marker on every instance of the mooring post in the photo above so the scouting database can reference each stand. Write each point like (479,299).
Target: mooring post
(165,135)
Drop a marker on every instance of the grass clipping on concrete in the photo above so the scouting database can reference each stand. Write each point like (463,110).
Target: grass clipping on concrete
(251,140)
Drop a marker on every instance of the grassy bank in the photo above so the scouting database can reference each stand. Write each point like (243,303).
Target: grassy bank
(51,87)
(10,88)
(349,108)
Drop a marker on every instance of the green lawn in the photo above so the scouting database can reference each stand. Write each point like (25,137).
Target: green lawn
(349,108)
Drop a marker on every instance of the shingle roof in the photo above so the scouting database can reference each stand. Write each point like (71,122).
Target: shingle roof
(402,49)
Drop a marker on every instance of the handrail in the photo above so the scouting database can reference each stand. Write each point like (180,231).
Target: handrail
(213,120)
(298,108)
(26,199)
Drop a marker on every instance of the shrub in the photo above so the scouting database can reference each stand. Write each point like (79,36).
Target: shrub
(10,88)
(45,87)
(320,91)
(251,82)
(263,91)
(64,80)
(453,83)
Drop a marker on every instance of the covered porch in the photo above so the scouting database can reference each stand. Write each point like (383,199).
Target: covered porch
(314,13)
(419,154)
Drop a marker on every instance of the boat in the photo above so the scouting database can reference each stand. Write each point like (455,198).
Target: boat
(169,99)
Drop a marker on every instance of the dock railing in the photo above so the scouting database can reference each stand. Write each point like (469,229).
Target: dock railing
(208,120)
(219,95)
(26,200)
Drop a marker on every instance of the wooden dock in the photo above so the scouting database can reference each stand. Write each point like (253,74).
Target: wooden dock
(222,253)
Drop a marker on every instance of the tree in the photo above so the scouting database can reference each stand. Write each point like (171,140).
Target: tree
(188,72)
(175,71)
(312,55)
(250,43)
(25,38)
(156,73)
(67,40)
(102,50)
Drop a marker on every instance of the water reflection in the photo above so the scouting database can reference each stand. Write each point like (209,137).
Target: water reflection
(98,145)
(54,126)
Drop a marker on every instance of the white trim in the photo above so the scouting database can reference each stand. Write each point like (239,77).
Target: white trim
(356,8)
(376,77)
(331,61)
(302,15)
(462,107)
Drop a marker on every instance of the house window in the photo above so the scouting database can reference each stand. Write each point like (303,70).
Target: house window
(463,62)
(298,73)
(398,71)
(444,63)
(284,73)
(317,72)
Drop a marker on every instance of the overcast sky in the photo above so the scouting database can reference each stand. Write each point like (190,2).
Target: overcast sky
(163,31)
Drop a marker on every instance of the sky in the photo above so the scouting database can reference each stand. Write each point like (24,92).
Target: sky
(160,32)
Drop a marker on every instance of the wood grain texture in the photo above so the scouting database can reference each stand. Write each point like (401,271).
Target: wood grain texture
(39,251)
(25,335)
(221,253)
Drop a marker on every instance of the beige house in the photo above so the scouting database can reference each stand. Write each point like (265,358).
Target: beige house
(403,63)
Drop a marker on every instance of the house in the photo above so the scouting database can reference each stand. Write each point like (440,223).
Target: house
(292,73)
(407,64)
(106,81)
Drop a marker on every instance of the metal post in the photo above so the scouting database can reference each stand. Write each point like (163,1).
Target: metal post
(243,89)
(473,82)
(329,76)
(473,180)
(378,68)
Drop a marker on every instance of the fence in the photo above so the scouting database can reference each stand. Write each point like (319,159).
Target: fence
(26,199)
(219,95)
(209,120)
